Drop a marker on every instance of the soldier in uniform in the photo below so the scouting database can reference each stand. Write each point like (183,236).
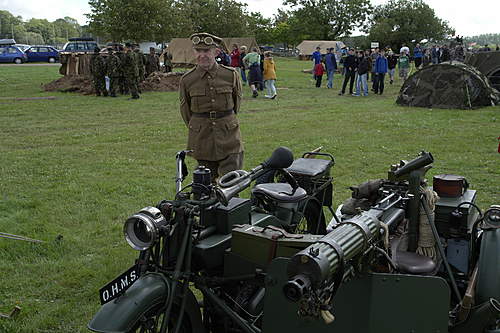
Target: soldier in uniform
(167,62)
(113,71)
(98,71)
(131,71)
(210,97)
(139,58)
(122,82)
(152,62)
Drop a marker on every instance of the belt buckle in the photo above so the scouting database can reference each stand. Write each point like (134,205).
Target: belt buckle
(212,115)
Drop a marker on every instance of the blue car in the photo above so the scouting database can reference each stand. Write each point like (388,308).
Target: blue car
(42,53)
(11,53)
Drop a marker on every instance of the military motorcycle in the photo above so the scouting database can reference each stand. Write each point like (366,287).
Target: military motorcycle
(394,259)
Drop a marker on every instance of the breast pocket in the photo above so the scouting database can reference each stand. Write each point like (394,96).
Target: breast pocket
(198,99)
(224,95)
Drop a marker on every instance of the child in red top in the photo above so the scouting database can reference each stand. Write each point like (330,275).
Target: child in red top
(319,70)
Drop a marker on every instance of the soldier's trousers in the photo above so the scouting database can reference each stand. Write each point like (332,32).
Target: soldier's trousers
(220,168)
(122,82)
(113,85)
(132,86)
(100,85)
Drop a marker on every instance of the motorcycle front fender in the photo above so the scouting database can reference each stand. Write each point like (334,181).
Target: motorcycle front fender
(122,314)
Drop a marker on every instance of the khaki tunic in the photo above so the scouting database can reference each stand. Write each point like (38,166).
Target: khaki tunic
(215,90)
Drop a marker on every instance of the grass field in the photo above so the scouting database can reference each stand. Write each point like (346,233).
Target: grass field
(72,169)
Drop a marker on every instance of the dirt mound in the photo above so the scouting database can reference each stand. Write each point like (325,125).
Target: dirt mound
(158,81)
(71,83)
(83,84)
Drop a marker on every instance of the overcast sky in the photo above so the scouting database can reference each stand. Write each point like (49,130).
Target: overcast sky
(468,17)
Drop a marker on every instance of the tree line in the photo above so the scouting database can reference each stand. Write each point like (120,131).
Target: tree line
(394,23)
(39,31)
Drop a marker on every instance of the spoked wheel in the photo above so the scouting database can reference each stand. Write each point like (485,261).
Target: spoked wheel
(313,221)
(151,321)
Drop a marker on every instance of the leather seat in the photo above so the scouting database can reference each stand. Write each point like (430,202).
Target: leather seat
(309,166)
(280,192)
(414,263)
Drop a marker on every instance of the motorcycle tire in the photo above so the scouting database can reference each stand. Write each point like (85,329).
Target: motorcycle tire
(313,221)
(151,321)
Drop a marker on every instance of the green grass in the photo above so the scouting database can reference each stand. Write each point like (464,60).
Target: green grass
(77,166)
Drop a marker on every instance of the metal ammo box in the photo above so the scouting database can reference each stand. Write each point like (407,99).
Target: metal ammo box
(260,245)
(450,226)
(313,175)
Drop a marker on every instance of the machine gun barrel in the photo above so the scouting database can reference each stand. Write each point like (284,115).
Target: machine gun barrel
(321,261)
(424,159)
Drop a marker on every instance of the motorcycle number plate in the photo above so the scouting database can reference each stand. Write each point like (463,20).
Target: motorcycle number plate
(118,286)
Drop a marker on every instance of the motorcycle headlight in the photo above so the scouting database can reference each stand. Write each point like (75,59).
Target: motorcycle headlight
(142,230)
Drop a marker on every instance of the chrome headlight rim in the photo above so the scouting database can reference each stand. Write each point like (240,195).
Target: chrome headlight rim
(151,218)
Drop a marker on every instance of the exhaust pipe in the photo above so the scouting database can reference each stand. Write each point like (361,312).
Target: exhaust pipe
(480,318)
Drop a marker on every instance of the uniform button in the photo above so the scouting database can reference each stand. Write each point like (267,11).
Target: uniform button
(213,100)
(213,122)
(211,88)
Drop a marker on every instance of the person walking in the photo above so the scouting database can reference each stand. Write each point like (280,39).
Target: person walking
(319,70)
(152,62)
(252,62)
(435,54)
(243,53)
(362,77)
(113,72)
(381,67)
(98,71)
(392,61)
(350,65)
(269,75)
(131,71)
(331,67)
(316,58)
(236,58)
(418,55)
(210,98)
(404,66)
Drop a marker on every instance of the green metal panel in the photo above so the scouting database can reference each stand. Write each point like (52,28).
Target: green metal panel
(375,303)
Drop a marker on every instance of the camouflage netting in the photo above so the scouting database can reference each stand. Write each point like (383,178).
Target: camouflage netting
(449,85)
(487,63)
(83,84)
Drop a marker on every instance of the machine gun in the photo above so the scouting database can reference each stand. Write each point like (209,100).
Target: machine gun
(316,272)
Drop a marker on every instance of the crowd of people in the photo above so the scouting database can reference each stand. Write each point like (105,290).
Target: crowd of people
(358,66)
(256,68)
(125,67)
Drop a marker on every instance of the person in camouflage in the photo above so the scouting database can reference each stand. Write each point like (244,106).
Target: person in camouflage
(131,71)
(167,62)
(113,72)
(122,82)
(98,71)
(152,62)
(141,61)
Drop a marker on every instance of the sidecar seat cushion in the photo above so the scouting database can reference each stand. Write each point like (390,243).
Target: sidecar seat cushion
(310,166)
(280,192)
(414,263)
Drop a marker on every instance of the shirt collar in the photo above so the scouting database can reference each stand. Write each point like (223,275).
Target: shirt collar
(212,70)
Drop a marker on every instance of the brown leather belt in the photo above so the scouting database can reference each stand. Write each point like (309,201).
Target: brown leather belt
(213,114)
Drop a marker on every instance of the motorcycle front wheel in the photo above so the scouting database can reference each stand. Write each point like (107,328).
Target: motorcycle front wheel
(151,321)
(313,221)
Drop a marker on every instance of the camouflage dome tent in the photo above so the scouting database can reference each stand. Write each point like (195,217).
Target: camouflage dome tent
(449,85)
(487,63)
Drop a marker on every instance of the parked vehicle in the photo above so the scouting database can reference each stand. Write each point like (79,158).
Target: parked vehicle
(23,47)
(11,53)
(42,53)
(255,274)
(80,44)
